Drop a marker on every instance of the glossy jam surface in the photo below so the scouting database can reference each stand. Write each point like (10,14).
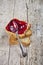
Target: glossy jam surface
(16,25)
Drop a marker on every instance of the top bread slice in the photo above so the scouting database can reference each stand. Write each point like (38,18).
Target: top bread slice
(26,33)
(25,37)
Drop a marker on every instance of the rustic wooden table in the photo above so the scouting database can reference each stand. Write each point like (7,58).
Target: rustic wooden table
(17,9)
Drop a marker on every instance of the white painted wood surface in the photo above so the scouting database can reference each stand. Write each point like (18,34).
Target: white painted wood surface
(17,9)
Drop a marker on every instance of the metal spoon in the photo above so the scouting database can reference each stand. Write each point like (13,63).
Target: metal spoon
(20,44)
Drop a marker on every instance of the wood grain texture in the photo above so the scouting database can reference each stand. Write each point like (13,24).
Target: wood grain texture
(17,9)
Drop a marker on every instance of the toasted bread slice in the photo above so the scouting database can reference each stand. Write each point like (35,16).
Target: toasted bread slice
(20,35)
(25,41)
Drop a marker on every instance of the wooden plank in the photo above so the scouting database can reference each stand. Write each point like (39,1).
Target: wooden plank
(17,8)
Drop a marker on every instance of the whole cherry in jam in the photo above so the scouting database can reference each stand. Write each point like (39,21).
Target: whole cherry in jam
(15,25)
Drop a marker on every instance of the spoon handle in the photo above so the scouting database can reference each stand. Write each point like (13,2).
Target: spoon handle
(21,46)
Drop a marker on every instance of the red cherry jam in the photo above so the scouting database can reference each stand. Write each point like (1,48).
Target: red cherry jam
(20,25)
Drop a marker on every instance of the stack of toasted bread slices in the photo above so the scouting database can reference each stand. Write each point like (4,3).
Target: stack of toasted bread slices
(25,37)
